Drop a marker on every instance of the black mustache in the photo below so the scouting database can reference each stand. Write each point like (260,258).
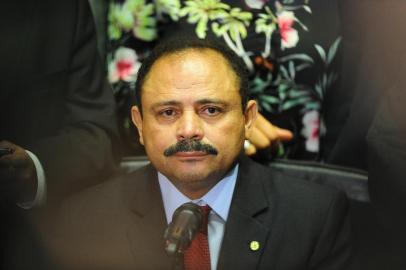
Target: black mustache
(190,145)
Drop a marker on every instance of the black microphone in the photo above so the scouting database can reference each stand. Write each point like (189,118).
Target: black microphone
(186,222)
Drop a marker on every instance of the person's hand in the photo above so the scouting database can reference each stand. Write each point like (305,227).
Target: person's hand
(18,177)
(264,134)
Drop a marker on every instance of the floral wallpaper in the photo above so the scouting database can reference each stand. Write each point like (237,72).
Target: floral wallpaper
(292,61)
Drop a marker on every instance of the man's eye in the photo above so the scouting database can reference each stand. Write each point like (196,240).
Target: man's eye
(212,111)
(167,112)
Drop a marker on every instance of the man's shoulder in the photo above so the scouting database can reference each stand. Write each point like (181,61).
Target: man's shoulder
(295,188)
(113,193)
(91,222)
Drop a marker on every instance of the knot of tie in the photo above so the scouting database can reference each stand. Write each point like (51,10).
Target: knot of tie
(206,211)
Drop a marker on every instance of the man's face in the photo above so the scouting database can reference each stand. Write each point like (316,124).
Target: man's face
(192,124)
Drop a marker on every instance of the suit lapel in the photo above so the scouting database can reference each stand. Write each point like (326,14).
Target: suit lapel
(245,234)
(145,233)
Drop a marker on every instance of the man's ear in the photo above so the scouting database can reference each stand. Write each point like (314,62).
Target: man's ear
(250,115)
(137,120)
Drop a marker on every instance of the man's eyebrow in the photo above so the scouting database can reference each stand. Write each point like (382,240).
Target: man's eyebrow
(200,102)
(211,101)
(166,103)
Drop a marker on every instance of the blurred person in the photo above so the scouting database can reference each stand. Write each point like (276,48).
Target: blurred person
(57,116)
(366,127)
(57,119)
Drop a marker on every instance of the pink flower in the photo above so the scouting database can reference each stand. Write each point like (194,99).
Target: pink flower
(124,66)
(311,128)
(289,35)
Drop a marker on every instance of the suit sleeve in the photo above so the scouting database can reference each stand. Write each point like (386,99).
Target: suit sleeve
(84,150)
(334,249)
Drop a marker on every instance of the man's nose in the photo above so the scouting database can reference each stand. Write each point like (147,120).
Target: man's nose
(189,126)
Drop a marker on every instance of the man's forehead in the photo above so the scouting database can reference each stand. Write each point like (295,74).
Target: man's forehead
(191,69)
(181,98)
(194,58)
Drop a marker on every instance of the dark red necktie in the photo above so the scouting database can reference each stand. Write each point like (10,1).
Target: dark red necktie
(197,256)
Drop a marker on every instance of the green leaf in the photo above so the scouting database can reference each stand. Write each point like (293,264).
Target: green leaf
(293,103)
(303,66)
(269,99)
(147,10)
(234,33)
(312,105)
(283,87)
(144,33)
(281,151)
(284,72)
(135,6)
(218,14)
(296,93)
(170,7)
(304,27)
(236,22)
(265,24)
(321,52)
(266,107)
(333,50)
(282,95)
(194,18)
(183,12)
(149,21)
(218,30)
(319,90)
(287,2)
(125,19)
(243,31)
(307,8)
(114,32)
(292,70)
(201,28)
(297,56)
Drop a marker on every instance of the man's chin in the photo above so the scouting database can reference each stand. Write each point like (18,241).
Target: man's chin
(190,163)
(198,177)
(194,182)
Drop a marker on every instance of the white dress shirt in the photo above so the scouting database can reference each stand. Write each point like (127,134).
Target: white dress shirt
(219,200)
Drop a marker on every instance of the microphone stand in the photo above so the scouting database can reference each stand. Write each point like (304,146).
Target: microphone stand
(186,221)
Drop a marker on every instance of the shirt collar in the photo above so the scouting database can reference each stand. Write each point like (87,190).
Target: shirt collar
(218,198)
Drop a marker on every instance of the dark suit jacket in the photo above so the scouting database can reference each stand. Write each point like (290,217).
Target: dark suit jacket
(55,100)
(387,185)
(120,224)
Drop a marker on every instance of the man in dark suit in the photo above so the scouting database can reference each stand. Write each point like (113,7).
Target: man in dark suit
(56,118)
(57,111)
(192,115)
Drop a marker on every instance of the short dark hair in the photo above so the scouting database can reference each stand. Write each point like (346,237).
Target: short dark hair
(177,44)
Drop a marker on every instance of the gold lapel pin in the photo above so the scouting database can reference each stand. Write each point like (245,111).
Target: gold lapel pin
(254,245)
